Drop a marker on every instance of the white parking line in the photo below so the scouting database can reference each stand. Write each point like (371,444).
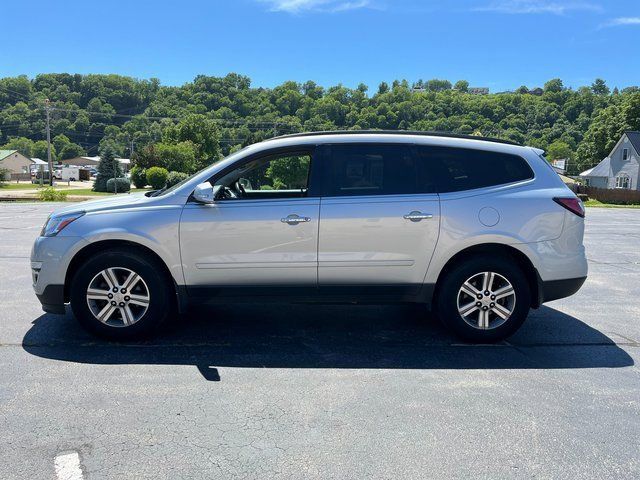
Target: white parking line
(68,466)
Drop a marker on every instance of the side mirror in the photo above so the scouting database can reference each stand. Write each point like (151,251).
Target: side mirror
(205,193)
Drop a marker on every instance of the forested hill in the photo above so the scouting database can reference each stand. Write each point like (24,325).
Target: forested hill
(205,119)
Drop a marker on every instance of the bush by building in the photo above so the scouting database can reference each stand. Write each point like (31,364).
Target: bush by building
(139,176)
(175,177)
(157,177)
(118,185)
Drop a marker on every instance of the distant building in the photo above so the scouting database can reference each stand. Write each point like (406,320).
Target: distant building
(16,163)
(478,91)
(93,161)
(81,161)
(560,166)
(38,164)
(620,169)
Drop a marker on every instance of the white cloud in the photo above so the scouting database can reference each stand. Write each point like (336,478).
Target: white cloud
(557,7)
(621,22)
(330,6)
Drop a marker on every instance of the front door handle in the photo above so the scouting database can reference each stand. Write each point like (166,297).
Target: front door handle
(295,219)
(416,216)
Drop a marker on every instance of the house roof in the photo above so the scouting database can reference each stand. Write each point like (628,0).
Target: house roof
(603,169)
(38,161)
(567,180)
(5,153)
(634,138)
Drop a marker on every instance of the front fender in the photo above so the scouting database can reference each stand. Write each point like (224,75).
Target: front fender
(156,229)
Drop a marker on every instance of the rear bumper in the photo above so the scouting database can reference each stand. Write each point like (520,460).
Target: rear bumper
(52,299)
(555,289)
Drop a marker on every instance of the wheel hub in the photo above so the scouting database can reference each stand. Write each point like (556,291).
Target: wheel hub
(486,300)
(118,297)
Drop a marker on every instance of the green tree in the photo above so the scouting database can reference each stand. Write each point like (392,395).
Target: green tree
(437,85)
(289,172)
(201,131)
(559,150)
(70,150)
(599,87)
(461,86)
(22,144)
(39,150)
(555,86)
(180,157)
(108,167)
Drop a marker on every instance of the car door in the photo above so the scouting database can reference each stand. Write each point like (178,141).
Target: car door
(264,234)
(379,218)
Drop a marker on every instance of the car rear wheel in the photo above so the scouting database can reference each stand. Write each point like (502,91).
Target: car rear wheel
(119,295)
(484,299)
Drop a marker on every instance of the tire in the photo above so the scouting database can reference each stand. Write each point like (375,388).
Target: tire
(484,318)
(145,303)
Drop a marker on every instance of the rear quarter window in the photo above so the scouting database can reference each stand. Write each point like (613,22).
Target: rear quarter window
(458,169)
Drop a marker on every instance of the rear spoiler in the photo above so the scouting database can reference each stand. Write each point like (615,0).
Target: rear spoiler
(538,151)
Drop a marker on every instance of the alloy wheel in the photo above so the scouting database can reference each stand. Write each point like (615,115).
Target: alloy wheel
(118,297)
(486,300)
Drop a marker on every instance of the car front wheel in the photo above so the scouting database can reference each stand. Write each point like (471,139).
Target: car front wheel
(119,295)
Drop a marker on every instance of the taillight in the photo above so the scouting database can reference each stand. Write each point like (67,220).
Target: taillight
(573,204)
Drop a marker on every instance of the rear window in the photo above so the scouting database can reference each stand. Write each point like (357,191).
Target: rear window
(457,169)
(370,169)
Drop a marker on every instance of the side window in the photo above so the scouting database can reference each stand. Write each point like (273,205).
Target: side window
(460,169)
(276,176)
(369,169)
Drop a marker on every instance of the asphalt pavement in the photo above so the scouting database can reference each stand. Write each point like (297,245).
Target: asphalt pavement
(298,391)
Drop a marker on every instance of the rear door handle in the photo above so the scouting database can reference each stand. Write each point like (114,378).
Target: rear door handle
(416,216)
(295,219)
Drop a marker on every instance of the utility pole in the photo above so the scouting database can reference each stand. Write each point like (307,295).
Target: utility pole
(115,175)
(131,150)
(47,107)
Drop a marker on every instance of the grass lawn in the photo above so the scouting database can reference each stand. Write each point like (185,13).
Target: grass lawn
(18,186)
(596,203)
(82,191)
(89,192)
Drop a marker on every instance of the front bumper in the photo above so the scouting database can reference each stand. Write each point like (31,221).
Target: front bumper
(52,299)
(50,257)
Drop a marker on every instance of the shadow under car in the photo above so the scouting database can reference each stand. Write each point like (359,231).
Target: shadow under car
(330,336)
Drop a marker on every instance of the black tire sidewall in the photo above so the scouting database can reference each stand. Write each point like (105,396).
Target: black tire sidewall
(447,300)
(160,292)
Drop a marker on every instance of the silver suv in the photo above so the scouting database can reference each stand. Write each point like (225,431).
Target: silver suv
(477,230)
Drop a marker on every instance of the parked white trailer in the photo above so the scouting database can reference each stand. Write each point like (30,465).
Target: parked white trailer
(70,174)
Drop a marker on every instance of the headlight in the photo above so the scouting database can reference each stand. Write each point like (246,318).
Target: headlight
(56,223)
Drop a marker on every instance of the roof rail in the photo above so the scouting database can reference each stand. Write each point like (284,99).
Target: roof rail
(398,132)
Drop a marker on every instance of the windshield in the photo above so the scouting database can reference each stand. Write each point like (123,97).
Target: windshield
(167,190)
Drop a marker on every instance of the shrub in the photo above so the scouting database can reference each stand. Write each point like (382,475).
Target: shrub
(139,176)
(157,177)
(50,194)
(123,185)
(4,174)
(175,177)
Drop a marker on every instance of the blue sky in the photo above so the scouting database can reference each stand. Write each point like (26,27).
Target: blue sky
(501,44)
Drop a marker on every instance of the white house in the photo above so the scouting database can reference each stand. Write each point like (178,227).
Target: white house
(621,169)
